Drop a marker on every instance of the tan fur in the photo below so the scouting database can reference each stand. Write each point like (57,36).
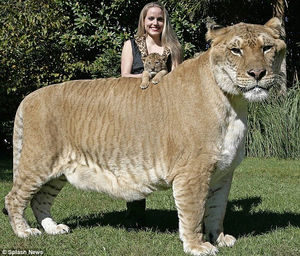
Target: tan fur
(155,67)
(186,133)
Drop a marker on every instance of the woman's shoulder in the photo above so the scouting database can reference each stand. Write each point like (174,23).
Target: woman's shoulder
(131,43)
(128,42)
(128,45)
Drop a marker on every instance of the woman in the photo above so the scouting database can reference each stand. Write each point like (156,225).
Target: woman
(154,35)
(154,32)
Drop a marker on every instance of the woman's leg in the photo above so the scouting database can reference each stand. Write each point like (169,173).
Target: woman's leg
(136,212)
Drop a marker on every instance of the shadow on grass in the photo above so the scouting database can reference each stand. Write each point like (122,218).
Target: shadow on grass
(6,173)
(239,220)
(159,220)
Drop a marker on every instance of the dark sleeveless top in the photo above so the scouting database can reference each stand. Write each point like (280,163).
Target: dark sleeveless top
(137,64)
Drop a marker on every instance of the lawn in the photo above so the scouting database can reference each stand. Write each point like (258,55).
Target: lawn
(263,213)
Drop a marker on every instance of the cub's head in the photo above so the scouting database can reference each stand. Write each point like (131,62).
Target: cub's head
(154,62)
(246,58)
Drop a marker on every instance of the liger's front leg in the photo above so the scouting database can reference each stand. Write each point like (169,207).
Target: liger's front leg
(190,192)
(145,80)
(156,79)
(215,212)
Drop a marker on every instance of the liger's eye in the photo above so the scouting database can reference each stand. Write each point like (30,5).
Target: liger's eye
(267,48)
(236,51)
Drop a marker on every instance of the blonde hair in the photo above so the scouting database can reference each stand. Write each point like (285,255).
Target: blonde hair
(168,36)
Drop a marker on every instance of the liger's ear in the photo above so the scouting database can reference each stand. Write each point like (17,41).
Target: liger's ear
(276,25)
(214,30)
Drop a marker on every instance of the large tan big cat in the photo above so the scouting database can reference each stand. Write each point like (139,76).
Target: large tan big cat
(187,133)
(155,68)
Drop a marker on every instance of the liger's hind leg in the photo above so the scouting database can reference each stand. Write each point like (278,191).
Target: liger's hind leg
(41,204)
(24,187)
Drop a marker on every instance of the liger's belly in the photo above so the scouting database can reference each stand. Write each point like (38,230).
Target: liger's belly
(128,179)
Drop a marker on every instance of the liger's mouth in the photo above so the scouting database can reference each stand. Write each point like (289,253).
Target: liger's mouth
(255,87)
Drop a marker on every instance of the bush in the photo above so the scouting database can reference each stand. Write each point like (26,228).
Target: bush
(274,127)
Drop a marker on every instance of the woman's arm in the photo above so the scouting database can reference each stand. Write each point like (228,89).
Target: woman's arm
(127,60)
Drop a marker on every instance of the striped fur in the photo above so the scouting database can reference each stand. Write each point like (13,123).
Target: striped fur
(109,136)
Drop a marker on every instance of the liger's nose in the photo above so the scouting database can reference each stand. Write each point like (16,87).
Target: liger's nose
(257,74)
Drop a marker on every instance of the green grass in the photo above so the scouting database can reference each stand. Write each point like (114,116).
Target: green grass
(263,213)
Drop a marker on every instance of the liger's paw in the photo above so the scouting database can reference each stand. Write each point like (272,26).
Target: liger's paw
(225,240)
(57,229)
(154,81)
(28,232)
(144,85)
(203,249)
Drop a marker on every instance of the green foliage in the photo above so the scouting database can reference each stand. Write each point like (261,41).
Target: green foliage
(91,45)
(28,48)
(274,127)
(190,32)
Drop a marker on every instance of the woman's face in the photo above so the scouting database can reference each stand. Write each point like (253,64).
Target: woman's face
(154,21)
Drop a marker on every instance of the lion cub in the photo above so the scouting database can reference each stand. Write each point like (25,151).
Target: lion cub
(154,67)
